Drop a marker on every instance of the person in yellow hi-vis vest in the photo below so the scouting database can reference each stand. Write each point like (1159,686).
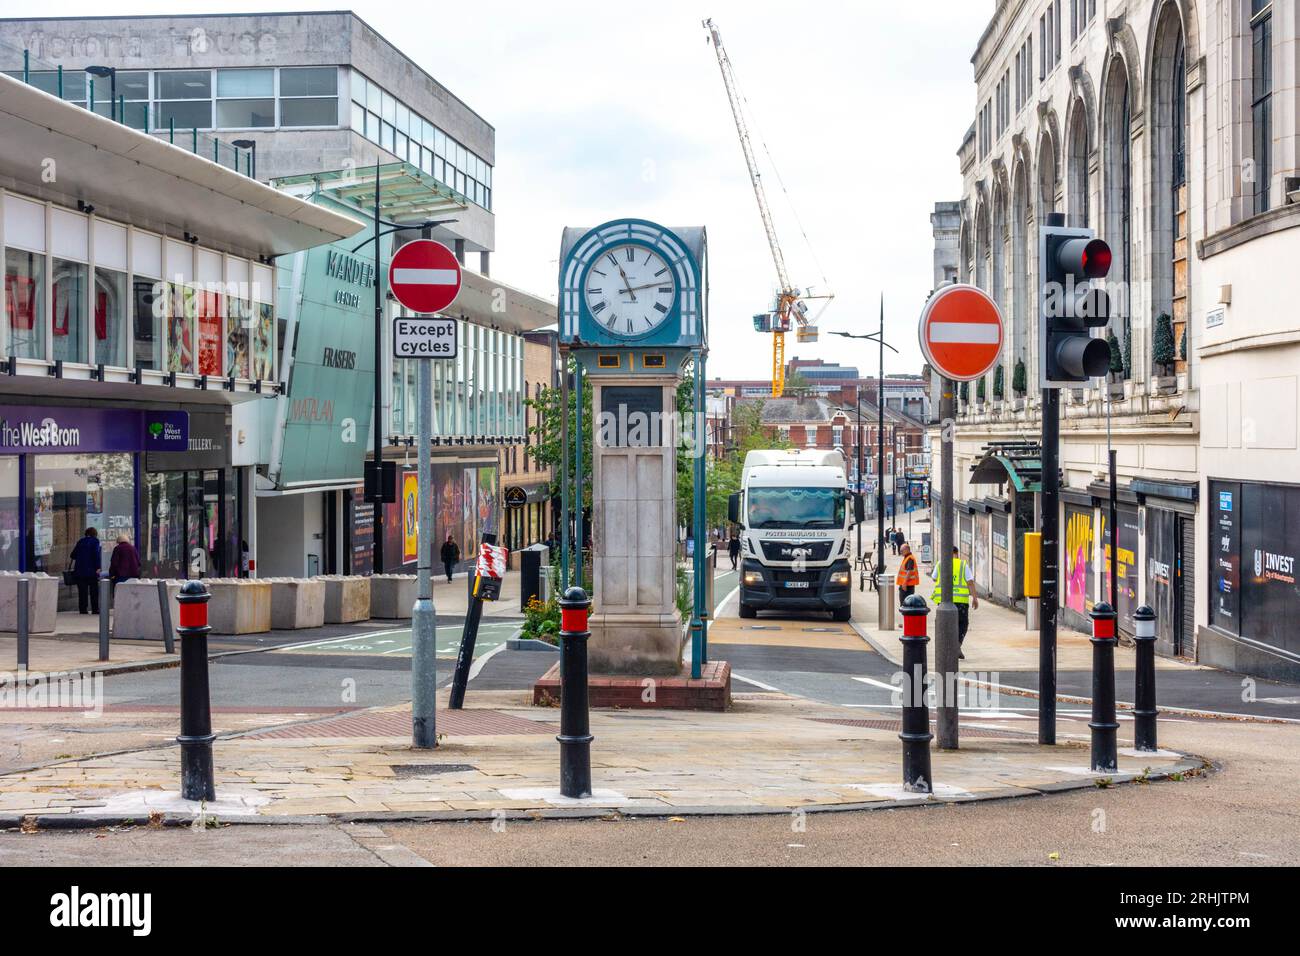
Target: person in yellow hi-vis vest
(963,594)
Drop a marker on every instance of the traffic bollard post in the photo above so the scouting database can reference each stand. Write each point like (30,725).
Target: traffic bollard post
(24,623)
(1144,679)
(105,599)
(1103,725)
(197,782)
(165,614)
(916,734)
(575,723)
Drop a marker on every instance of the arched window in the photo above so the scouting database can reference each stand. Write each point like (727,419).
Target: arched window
(1046,177)
(982,247)
(1021,256)
(1117,183)
(1168,224)
(1077,166)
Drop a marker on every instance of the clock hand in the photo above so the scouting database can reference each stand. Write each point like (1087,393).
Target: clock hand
(626,284)
(648,285)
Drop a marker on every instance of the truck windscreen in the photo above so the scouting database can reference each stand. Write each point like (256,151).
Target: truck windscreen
(796,508)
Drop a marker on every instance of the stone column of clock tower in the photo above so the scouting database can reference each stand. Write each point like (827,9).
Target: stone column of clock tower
(635,625)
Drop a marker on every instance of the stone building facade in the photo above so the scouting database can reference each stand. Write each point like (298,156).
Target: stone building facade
(1168,127)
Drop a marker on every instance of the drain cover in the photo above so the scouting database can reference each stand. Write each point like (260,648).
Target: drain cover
(429,769)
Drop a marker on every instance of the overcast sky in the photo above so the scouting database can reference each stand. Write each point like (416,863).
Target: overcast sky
(605,110)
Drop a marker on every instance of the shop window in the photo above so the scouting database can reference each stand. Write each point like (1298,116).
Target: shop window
(11,541)
(69,299)
(239,319)
(25,303)
(109,301)
(149,301)
(71,493)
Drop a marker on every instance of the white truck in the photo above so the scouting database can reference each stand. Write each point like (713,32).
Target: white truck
(795,511)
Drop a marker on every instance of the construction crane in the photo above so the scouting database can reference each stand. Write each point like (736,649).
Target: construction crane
(790,308)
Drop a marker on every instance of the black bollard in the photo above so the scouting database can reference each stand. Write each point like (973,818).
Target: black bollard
(575,724)
(24,623)
(1103,724)
(105,602)
(197,781)
(916,734)
(1144,679)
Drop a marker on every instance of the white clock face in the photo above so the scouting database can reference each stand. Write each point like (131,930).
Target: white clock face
(630,290)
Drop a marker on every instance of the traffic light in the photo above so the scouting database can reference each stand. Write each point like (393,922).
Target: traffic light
(1070,306)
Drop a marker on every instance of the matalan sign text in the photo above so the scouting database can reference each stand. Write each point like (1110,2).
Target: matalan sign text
(424,338)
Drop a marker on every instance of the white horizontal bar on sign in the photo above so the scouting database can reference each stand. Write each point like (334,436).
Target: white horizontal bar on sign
(971,333)
(425,276)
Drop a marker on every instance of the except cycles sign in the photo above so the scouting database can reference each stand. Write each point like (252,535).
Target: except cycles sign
(424,337)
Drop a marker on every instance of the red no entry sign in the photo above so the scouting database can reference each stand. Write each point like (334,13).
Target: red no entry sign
(961,332)
(425,276)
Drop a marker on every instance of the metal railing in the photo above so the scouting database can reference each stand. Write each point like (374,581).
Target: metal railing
(74,86)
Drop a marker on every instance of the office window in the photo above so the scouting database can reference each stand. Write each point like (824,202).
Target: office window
(25,303)
(1261,99)
(309,96)
(183,99)
(69,299)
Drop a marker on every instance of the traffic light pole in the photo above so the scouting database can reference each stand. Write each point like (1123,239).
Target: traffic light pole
(1050,590)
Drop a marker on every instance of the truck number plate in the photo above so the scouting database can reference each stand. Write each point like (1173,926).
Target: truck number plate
(796,584)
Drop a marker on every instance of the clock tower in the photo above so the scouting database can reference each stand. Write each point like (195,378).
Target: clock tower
(632,310)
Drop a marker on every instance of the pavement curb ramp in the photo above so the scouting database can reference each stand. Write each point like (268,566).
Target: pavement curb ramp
(30,822)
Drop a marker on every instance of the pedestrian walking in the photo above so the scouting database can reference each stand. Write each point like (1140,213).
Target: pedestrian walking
(86,556)
(124,564)
(963,595)
(733,550)
(450,555)
(909,575)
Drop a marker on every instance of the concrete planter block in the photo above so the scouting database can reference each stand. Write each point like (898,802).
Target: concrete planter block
(239,605)
(297,602)
(42,602)
(136,615)
(347,598)
(392,595)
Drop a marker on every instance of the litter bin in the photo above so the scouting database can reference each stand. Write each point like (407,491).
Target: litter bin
(530,576)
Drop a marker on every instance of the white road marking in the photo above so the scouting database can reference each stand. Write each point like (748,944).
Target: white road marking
(756,683)
(893,688)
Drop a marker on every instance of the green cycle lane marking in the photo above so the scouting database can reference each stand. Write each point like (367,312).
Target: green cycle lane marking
(398,642)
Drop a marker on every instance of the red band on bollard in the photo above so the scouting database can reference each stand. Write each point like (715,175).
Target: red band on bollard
(1103,628)
(194,614)
(573,620)
(914,625)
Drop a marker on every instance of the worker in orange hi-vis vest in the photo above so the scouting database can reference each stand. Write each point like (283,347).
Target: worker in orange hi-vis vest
(909,576)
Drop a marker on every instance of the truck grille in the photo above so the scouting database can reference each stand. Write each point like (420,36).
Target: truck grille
(784,550)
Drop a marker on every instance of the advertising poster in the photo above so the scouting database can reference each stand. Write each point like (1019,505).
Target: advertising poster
(1225,555)
(238,319)
(43,525)
(180,316)
(966,536)
(1162,564)
(361,532)
(1270,598)
(264,343)
(1078,558)
(209,332)
(982,562)
(1126,564)
(1001,554)
(410,517)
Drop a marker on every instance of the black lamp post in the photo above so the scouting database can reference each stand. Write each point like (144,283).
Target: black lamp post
(878,338)
(111,73)
(249,144)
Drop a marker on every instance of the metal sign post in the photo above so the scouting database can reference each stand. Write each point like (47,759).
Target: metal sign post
(423,282)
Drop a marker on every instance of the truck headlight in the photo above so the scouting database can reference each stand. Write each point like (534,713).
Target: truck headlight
(839,577)
(753,577)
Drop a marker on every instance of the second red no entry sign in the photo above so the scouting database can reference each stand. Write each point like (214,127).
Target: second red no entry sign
(424,276)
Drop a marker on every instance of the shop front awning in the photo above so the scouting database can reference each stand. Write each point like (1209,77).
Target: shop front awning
(1018,464)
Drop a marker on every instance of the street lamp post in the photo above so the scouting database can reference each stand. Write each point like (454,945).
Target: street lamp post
(251,145)
(111,73)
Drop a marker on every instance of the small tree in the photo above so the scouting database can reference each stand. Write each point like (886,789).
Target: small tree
(1116,356)
(1018,378)
(979,390)
(998,391)
(1128,353)
(1162,345)
(1182,344)
(964,392)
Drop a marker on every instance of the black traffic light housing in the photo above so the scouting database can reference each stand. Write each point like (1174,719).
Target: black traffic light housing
(1070,306)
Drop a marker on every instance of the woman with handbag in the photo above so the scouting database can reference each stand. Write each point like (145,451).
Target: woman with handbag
(86,560)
